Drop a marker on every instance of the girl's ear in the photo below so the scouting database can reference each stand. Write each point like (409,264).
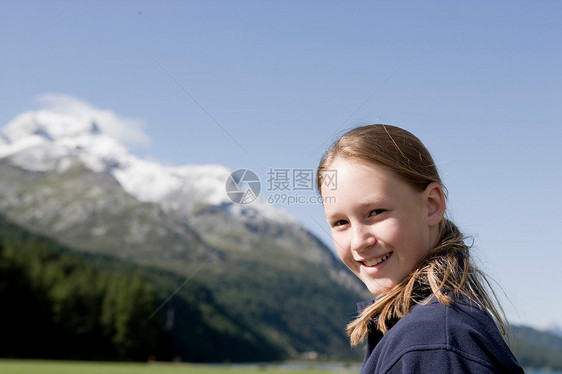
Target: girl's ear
(436,205)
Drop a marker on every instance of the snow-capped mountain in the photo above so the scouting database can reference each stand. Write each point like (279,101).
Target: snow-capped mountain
(67,174)
(44,140)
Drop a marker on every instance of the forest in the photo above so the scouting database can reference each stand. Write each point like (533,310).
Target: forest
(56,305)
(63,304)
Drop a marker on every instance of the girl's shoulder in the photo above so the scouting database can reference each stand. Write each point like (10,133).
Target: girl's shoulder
(462,333)
(432,322)
(463,325)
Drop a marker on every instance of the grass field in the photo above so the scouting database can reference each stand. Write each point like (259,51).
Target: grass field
(83,367)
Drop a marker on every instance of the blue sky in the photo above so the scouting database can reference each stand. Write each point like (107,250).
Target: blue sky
(269,84)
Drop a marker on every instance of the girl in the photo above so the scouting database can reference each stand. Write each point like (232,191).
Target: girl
(432,312)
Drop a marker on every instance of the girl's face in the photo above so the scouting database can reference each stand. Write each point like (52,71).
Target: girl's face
(382,228)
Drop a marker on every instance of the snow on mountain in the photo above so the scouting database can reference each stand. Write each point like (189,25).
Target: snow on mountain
(47,140)
(43,141)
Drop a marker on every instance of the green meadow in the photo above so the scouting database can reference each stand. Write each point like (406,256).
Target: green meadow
(88,367)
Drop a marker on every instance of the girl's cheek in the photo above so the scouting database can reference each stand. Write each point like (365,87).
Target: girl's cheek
(344,255)
(343,252)
(347,259)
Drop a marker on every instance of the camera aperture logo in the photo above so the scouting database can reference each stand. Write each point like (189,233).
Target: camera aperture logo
(243,186)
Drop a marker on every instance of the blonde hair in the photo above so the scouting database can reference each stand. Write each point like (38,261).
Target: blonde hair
(447,271)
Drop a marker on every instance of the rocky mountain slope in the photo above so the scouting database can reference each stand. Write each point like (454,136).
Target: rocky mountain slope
(62,176)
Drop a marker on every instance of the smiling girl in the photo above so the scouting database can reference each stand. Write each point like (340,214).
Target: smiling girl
(432,312)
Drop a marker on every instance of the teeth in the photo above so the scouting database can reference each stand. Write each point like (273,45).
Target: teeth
(376,260)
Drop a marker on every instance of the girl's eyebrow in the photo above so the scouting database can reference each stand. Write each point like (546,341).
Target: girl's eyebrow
(332,216)
(374,200)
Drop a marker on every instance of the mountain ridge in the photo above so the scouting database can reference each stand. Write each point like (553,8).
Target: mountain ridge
(86,190)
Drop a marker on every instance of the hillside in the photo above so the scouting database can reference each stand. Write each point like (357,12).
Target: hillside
(537,349)
(64,178)
(69,305)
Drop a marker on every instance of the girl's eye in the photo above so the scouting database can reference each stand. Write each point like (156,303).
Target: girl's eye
(341,222)
(376,212)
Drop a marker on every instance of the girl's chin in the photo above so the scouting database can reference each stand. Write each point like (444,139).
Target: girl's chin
(378,288)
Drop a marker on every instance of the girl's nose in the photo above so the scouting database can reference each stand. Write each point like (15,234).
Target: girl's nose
(362,238)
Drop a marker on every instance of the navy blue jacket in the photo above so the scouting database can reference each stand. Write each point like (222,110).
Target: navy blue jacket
(434,338)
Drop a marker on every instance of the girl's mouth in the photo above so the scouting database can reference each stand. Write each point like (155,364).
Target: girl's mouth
(375,261)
